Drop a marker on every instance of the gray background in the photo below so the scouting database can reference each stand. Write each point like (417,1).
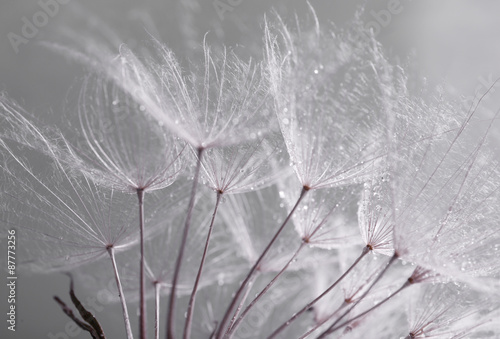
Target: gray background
(454,40)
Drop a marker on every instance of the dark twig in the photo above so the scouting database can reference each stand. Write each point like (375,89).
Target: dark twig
(89,322)
(86,315)
(83,325)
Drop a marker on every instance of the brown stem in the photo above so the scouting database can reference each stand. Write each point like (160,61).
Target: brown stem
(142,277)
(178,263)
(264,291)
(120,294)
(243,299)
(332,329)
(189,316)
(254,268)
(366,249)
(320,323)
(157,310)
(393,258)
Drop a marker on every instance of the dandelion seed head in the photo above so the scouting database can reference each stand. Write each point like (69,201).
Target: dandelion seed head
(328,102)
(72,221)
(118,146)
(445,310)
(246,166)
(326,219)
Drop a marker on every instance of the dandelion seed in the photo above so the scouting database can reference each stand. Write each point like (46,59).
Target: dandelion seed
(75,219)
(119,147)
(320,112)
(444,310)
(244,167)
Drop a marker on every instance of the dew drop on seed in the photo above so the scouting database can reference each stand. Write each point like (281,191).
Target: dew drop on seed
(220,279)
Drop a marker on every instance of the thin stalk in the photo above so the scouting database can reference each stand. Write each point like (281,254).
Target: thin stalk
(142,276)
(332,329)
(243,299)
(393,258)
(305,335)
(157,310)
(189,316)
(264,291)
(178,263)
(366,249)
(126,318)
(255,267)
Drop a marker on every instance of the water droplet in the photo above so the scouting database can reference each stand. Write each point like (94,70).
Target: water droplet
(220,279)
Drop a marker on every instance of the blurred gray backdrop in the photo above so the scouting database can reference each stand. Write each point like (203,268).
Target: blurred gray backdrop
(456,41)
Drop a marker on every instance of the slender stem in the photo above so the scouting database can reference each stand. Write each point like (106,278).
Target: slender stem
(366,249)
(264,291)
(178,263)
(128,329)
(393,258)
(243,299)
(142,276)
(189,316)
(333,329)
(157,310)
(255,267)
(320,323)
